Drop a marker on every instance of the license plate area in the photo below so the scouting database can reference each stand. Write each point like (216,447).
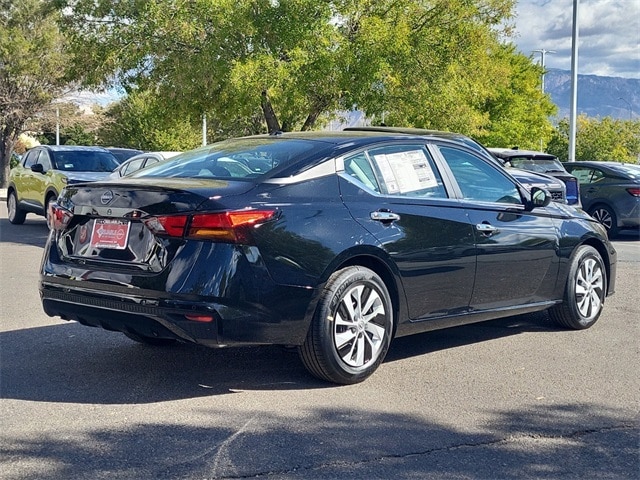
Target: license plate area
(110,233)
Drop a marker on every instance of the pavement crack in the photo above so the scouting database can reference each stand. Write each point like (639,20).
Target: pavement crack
(497,441)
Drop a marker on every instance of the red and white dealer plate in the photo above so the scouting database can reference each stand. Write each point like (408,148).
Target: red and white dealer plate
(108,233)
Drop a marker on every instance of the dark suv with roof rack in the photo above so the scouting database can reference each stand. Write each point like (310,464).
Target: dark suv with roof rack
(540,162)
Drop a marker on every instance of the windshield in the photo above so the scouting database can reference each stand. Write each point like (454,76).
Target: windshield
(237,158)
(540,165)
(85,161)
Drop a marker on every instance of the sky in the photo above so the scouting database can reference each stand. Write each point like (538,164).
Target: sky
(608,32)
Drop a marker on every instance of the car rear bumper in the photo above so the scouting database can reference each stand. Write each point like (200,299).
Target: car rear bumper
(218,323)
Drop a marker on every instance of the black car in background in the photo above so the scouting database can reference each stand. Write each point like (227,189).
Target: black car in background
(347,240)
(610,192)
(542,163)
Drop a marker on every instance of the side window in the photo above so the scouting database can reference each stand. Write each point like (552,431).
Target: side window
(30,158)
(478,180)
(582,174)
(133,166)
(399,170)
(359,168)
(44,160)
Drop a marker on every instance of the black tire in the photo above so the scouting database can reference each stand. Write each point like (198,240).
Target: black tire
(156,342)
(16,216)
(345,345)
(607,217)
(585,291)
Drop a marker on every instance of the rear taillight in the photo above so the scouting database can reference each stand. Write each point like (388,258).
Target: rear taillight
(170,225)
(230,227)
(635,191)
(57,217)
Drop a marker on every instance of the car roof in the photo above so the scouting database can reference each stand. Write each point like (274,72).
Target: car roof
(66,148)
(516,152)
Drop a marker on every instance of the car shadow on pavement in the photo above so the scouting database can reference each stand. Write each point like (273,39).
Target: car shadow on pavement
(77,364)
(570,440)
(405,347)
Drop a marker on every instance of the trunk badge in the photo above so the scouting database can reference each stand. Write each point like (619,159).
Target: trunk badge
(106,197)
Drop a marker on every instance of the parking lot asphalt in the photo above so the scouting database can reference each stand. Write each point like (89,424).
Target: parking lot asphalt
(514,398)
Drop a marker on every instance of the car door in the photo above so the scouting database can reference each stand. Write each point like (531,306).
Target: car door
(27,183)
(517,250)
(398,195)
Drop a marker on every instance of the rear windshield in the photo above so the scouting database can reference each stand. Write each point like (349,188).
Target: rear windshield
(85,161)
(540,165)
(237,158)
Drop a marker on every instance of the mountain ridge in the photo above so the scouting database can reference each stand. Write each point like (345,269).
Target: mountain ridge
(598,96)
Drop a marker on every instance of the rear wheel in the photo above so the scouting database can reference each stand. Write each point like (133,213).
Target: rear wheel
(16,216)
(156,342)
(607,217)
(351,329)
(585,291)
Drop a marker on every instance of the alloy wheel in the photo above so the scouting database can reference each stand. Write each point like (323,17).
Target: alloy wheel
(359,329)
(589,288)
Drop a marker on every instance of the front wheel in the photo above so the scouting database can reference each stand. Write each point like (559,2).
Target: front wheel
(351,328)
(585,291)
(16,216)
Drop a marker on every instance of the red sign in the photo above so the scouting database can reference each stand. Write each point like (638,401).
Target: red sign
(110,233)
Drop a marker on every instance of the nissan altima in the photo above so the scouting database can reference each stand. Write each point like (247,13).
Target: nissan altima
(340,242)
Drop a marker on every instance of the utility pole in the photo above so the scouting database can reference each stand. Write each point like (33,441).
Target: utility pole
(204,129)
(573,119)
(629,105)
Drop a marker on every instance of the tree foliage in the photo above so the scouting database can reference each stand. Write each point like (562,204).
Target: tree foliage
(598,139)
(32,67)
(141,121)
(436,64)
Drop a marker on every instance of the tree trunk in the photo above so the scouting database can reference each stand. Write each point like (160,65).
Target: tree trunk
(7,141)
(269,114)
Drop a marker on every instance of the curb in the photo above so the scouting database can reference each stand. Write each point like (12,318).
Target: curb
(3,194)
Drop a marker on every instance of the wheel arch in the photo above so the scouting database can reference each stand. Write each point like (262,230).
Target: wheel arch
(604,254)
(374,260)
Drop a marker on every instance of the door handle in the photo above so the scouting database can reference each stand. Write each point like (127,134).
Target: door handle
(487,229)
(382,216)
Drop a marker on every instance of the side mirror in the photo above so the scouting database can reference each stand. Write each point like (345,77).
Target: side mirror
(38,168)
(540,197)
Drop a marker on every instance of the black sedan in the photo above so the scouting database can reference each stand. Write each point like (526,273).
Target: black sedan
(341,242)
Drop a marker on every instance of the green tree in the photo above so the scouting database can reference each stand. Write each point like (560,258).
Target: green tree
(517,111)
(142,121)
(294,62)
(598,139)
(32,68)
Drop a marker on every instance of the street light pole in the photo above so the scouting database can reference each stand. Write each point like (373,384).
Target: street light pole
(542,53)
(574,84)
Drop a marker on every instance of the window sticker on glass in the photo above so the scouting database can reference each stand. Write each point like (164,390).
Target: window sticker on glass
(405,172)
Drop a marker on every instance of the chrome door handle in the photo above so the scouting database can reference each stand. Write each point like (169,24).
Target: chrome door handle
(384,216)
(487,229)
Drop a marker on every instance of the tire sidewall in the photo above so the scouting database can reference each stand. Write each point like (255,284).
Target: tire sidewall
(345,280)
(583,254)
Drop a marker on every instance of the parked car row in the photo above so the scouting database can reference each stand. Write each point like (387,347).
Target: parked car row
(333,242)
